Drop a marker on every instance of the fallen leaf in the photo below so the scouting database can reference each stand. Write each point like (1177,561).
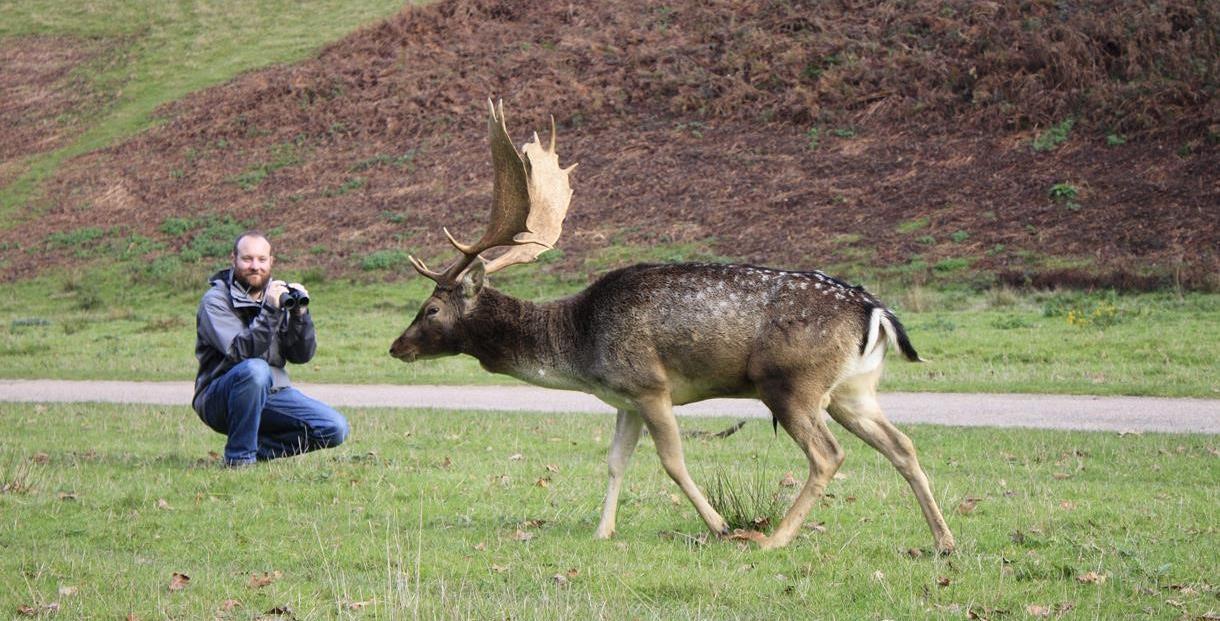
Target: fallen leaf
(914,552)
(229,604)
(163,505)
(1091,577)
(499,568)
(131,616)
(1059,476)
(1038,611)
(213,456)
(817,527)
(280,611)
(1068,505)
(849,499)
(445,463)
(741,534)
(878,576)
(67,591)
(178,581)
(480,546)
(543,482)
(27,611)
(788,480)
(516,457)
(943,581)
(966,507)
(66,496)
(503,479)
(675,499)
(41,458)
(573,572)
(521,535)
(359,605)
(534,523)
(258,582)
(552,468)
(560,580)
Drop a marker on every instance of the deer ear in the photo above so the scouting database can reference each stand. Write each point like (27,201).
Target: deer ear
(472,280)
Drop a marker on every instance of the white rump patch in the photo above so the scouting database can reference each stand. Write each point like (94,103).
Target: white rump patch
(874,345)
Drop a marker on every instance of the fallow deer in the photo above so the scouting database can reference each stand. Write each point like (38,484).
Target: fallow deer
(648,337)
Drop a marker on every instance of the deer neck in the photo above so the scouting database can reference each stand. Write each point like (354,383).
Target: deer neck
(532,342)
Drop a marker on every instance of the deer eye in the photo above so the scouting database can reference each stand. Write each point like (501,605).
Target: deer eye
(432,310)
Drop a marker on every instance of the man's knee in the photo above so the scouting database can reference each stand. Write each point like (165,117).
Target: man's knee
(254,371)
(334,431)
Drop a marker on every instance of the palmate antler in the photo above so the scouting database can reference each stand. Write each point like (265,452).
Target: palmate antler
(530,196)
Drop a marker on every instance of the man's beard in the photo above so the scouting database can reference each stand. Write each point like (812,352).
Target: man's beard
(262,279)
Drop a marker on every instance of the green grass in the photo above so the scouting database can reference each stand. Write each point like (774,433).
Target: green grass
(99,325)
(1054,136)
(418,515)
(164,51)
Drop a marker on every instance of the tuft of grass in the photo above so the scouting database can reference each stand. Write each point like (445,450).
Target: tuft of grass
(910,226)
(385,260)
(746,500)
(814,136)
(1054,136)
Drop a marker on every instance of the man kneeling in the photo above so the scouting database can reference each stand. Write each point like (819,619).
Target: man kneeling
(245,333)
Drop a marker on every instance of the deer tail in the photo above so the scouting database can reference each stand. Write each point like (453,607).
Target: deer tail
(896,334)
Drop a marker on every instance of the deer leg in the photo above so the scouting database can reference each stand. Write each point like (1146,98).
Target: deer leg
(626,436)
(659,416)
(854,405)
(802,419)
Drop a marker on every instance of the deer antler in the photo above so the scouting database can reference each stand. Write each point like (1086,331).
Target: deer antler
(530,197)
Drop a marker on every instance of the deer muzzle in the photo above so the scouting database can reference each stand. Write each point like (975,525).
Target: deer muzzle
(404,350)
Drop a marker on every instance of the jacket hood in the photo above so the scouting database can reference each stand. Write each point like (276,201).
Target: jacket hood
(224,279)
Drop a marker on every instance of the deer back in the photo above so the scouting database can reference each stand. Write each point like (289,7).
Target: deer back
(717,327)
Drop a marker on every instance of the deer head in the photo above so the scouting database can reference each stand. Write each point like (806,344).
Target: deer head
(530,196)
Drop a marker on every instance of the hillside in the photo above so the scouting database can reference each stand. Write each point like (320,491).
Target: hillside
(1058,143)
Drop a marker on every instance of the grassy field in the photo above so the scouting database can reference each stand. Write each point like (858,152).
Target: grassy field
(430,514)
(161,51)
(95,325)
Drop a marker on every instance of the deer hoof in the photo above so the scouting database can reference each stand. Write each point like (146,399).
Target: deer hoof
(946,547)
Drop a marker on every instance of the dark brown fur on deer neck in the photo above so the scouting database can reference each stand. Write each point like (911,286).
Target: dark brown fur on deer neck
(517,337)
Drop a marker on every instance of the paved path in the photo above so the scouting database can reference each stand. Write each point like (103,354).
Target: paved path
(1040,411)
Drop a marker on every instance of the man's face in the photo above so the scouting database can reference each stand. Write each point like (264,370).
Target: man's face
(252,262)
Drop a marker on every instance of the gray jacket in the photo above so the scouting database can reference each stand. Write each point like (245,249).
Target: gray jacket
(230,328)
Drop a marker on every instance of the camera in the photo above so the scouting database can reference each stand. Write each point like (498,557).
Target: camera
(293,298)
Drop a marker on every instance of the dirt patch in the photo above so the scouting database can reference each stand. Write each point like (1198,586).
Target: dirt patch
(792,133)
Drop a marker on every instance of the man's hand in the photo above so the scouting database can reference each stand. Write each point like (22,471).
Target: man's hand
(274,290)
(300,310)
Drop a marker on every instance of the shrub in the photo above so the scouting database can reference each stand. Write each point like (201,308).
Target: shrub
(1050,139)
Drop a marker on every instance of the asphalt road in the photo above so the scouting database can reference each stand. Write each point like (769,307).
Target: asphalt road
(1121,414)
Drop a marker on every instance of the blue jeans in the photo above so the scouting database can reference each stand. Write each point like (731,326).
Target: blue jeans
(264,425)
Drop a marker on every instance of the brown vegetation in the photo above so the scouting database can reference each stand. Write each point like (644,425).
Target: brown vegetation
(793,133)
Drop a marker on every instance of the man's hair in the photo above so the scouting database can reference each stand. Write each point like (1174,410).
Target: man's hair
(249,233)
